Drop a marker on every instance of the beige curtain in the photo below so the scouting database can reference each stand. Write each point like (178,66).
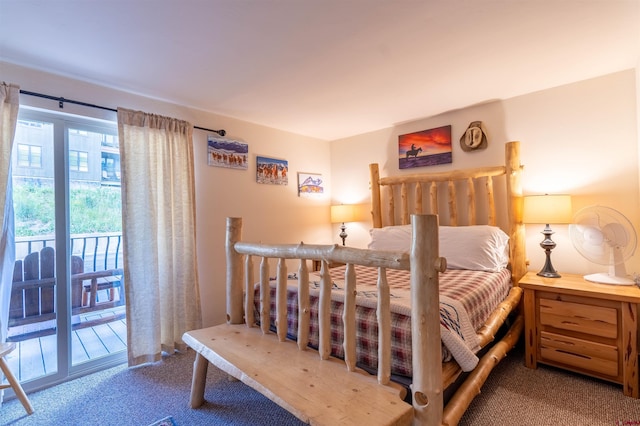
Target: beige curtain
(159,241)
(9,105)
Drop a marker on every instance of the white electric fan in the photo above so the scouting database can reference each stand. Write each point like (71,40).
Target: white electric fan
(606,237)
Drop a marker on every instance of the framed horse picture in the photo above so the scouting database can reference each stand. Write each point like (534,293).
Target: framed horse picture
(272,171)
(229,153)
(425,148)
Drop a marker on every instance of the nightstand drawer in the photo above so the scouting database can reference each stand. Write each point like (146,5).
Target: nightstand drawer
(578,317)
(582,354)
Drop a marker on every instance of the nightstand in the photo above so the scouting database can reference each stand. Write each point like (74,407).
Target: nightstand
(317,264)
(584,327)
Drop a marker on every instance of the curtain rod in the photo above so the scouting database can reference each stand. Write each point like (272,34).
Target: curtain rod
(62,100)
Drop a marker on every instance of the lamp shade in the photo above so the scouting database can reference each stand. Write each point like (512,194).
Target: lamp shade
(343,213)
(547,209)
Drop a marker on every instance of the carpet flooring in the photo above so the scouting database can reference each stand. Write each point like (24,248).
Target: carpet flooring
(513,395)
(546,396)
(143,395)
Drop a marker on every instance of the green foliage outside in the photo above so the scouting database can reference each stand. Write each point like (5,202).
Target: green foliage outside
(92,210)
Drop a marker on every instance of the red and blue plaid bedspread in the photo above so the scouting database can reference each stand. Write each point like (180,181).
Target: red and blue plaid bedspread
(478,292)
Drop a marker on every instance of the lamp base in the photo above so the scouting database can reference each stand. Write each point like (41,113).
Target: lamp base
(343,234)
(547,244)
(549,274)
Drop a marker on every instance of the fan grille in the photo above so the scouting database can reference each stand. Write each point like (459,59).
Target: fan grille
(603,235)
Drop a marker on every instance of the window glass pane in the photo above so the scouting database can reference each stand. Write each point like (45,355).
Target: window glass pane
(73,160)
(78,161)
(31,137)
(35,156)
(23,155)
(32,309)
(96,230)
(29,156)
(83,161)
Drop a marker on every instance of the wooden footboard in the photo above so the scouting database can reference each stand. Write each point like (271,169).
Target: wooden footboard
(298,378)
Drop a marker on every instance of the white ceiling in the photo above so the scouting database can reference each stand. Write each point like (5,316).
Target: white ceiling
(323,68)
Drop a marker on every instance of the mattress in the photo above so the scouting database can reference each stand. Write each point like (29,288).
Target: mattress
(476,293)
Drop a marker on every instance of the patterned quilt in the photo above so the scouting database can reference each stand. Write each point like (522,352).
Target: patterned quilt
(467,298)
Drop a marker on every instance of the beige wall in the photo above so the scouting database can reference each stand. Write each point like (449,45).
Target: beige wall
(270,213)
(580,139)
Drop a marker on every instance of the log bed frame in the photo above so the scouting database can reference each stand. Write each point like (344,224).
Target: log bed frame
(320,389)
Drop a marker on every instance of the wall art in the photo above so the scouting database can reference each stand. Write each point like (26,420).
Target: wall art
(425,148)
(272,171)
(228,153)
(310,184)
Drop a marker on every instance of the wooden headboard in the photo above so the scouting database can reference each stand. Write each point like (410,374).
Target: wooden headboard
(460,197)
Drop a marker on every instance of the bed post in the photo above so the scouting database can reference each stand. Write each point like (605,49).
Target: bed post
(234,271)
(376,206)
(515,210)
(427,384)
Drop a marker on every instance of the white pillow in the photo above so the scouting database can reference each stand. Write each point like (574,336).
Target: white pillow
(477,247)
(391,238)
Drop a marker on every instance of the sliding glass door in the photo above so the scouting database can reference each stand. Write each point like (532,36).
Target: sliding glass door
(67,311)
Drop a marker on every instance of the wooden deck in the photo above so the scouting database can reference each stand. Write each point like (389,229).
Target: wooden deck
(37,357)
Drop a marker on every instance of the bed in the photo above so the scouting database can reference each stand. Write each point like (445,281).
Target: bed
(279,336)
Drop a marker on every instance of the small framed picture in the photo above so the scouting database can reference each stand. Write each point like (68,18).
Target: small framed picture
(310,184)
(228,153)
(425,148)
(272,171)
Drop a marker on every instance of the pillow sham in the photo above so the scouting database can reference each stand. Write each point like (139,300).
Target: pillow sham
(475,247)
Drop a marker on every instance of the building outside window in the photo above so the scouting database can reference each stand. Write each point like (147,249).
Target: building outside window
(79,161)
(110,168)
(29,156)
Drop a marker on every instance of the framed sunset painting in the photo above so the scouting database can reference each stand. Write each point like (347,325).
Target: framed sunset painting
(425,148)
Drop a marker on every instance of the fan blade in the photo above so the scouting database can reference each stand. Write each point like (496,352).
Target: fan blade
(615,234)
(593,236)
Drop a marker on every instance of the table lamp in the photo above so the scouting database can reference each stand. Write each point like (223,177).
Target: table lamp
(547,209)
(343,213)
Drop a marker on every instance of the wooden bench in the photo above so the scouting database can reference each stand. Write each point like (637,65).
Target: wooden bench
(315,391)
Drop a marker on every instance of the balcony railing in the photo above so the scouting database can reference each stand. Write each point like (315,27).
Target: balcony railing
(99,251)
